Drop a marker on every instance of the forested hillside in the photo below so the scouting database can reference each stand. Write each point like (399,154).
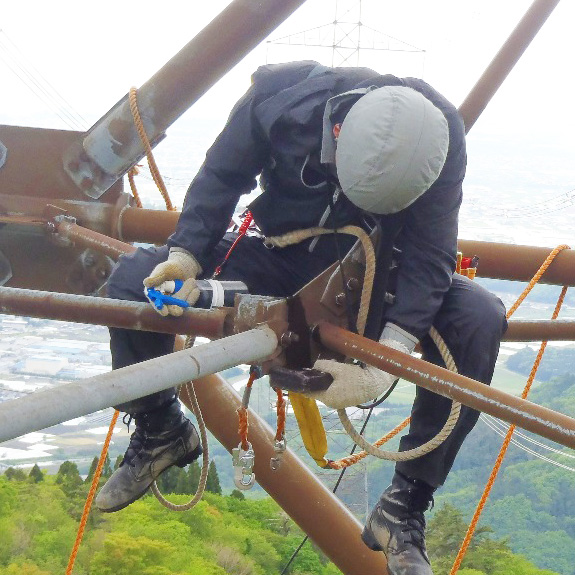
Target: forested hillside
(39,515)
(532,502)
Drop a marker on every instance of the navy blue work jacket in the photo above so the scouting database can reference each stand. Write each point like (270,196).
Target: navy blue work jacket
(275,132)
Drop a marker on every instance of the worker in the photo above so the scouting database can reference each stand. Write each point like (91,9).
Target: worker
(331,147)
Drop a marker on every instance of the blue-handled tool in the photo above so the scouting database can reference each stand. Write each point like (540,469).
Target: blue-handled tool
(159,299)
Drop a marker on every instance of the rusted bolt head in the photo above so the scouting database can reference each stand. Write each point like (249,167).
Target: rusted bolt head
(352,284)
(340,299)
(288,338)
(86,183)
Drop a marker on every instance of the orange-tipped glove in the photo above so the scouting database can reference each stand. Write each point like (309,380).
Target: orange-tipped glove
(180,265)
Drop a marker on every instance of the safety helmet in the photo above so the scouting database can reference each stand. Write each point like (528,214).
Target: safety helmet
(390,149)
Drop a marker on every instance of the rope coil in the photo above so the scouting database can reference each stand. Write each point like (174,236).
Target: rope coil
(297,236)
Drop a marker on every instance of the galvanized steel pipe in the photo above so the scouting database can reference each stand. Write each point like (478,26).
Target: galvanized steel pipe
(91,239)
(520,263)
(49,407)
(543,330)
(540,420)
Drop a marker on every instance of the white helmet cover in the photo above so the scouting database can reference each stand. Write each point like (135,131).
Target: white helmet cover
(391,148)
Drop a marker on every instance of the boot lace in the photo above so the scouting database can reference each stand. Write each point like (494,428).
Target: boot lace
(414,520)
(135,447)
(415,526)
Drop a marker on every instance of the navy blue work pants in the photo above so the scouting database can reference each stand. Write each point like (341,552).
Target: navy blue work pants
(471,321)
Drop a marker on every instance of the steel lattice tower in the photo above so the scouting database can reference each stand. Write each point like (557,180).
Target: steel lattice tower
(346,37)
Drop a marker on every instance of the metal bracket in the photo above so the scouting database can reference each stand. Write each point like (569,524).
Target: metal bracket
(3,154)
(300,380)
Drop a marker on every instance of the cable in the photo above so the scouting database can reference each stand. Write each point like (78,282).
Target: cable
(337,484)
(528,450)
(33,79)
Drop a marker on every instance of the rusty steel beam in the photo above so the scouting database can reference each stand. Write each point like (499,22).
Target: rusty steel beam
(542,330)
(496,260)
(112,145)
(504,61)
(520,263)
(212,323)
(534,418)
(142,225)
(294,486)
(67,228)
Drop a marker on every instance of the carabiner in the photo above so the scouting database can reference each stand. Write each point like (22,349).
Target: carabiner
(243,461)
(279,448)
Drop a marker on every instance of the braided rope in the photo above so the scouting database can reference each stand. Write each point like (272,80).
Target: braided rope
(429,445)
(133,100)
(281,416)
(91,494)
(132,172)
(191,393)
(511,430)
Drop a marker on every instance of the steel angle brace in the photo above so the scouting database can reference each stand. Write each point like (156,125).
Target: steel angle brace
(477,395)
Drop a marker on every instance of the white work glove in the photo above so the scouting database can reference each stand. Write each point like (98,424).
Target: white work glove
(354,384)
(180,265)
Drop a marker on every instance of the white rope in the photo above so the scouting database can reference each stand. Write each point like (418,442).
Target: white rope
(300,235)
(191,393)
(429,445)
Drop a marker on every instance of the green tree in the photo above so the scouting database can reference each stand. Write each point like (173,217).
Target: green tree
(118,462)
(92,470)
(194,472)
(170,479)
(14,474)
(36,474)
(107,469)
(237,494)
(68,477)
(213,480)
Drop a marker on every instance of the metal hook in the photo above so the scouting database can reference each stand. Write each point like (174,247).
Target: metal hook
(279,448)
(243,461)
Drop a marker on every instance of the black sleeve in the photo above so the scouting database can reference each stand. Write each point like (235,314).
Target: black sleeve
(229,170)
(428,242)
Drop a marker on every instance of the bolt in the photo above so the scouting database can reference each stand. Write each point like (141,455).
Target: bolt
(86,184)
(288,338)
(340,299)
(352,284)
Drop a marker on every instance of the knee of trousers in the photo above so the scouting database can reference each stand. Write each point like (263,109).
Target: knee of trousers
(489,313)
(126,280)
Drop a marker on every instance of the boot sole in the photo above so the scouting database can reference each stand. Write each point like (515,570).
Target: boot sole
(125,504)
(190,457)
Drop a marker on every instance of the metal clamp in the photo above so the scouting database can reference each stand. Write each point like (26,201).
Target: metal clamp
(243,461)
(279,448)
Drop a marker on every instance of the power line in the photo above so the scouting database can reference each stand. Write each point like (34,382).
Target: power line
(493,427)
(42,89)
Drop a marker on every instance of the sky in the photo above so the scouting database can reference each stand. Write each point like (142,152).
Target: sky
(92,53)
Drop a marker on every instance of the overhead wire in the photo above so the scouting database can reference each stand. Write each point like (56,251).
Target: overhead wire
(502,433)
(33,79)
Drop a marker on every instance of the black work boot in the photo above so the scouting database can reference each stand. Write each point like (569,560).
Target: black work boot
(163,437)
(396,526)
